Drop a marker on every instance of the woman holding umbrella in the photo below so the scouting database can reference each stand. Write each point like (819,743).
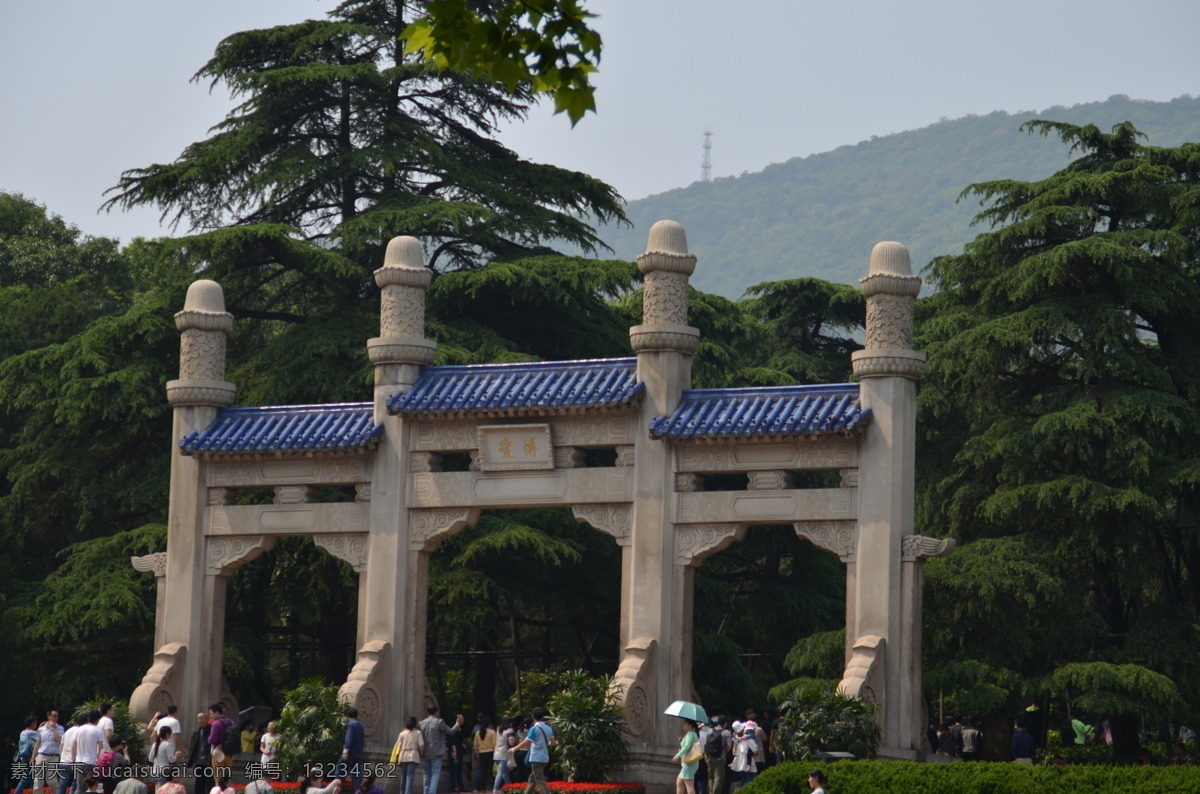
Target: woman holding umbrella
(690,751)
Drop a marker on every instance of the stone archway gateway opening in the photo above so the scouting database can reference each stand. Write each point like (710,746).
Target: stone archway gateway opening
(528,432)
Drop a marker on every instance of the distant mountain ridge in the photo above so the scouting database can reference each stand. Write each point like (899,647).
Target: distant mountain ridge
(820,215)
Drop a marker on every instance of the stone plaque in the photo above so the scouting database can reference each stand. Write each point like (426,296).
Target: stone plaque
(515,448)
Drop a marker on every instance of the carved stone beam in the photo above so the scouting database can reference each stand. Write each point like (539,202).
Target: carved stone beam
(697,541)
(610,518)
(920,547)
(689,482)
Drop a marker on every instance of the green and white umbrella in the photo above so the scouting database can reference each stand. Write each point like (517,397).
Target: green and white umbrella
(689,711)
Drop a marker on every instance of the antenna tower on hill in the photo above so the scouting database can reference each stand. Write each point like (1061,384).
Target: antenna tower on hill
(706,163)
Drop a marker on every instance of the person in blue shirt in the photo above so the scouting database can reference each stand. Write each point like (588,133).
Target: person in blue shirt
(1023,745)
(352,748)
(538,740)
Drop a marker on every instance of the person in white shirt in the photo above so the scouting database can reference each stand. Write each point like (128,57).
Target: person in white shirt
(89,743)
(269,745)
(168,719)
(46,758)
(66,758)
(105,724)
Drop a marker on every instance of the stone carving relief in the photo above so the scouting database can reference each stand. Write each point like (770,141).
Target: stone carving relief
(920,547)
(568,458)
(235,473)
(889,322)
(362,492)
(601,485)
(710,457)
(772,454)
(634,686)
(864,676)
(445,435)
(694,543)
(221,496)
(840,537)
(332,470)
(402,312)
(624,457)
(613,519)
(769,480)
(665,298)
(294,494)
(426,527)
(227,554)
(689,482)
(591,431)
(424,461)
(894,363)
(202,355)
(155,563)
(849,478)
(349,547)
(367,685)
(159,686)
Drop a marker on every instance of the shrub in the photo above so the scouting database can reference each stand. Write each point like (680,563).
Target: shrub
(826,721)
(977,777)
(311,726)
(589,725)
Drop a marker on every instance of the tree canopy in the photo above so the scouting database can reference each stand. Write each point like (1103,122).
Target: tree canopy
(1060,406)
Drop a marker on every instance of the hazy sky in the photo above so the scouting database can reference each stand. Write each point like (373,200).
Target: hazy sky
(93,88)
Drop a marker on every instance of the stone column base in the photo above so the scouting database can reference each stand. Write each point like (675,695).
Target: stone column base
(651,766)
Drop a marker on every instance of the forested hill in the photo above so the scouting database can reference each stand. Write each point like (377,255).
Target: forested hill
(820,215)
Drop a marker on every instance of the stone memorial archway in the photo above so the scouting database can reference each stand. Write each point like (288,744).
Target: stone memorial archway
(525,429)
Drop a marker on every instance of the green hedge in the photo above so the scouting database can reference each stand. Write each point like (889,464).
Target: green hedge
(977,777)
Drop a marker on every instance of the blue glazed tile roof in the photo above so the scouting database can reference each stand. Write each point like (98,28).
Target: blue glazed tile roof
(763,412)
(539,387)
(280,429)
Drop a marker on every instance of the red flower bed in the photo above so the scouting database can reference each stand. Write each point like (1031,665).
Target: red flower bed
(600,788)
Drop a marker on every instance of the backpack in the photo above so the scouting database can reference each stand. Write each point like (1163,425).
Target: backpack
(715,743)
(232,744)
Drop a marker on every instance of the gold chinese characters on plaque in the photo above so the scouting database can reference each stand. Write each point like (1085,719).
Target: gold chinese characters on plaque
(515,448)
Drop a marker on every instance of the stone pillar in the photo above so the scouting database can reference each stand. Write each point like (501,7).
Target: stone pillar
(189,635)
(879,633)
(387,683)
(656,651)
